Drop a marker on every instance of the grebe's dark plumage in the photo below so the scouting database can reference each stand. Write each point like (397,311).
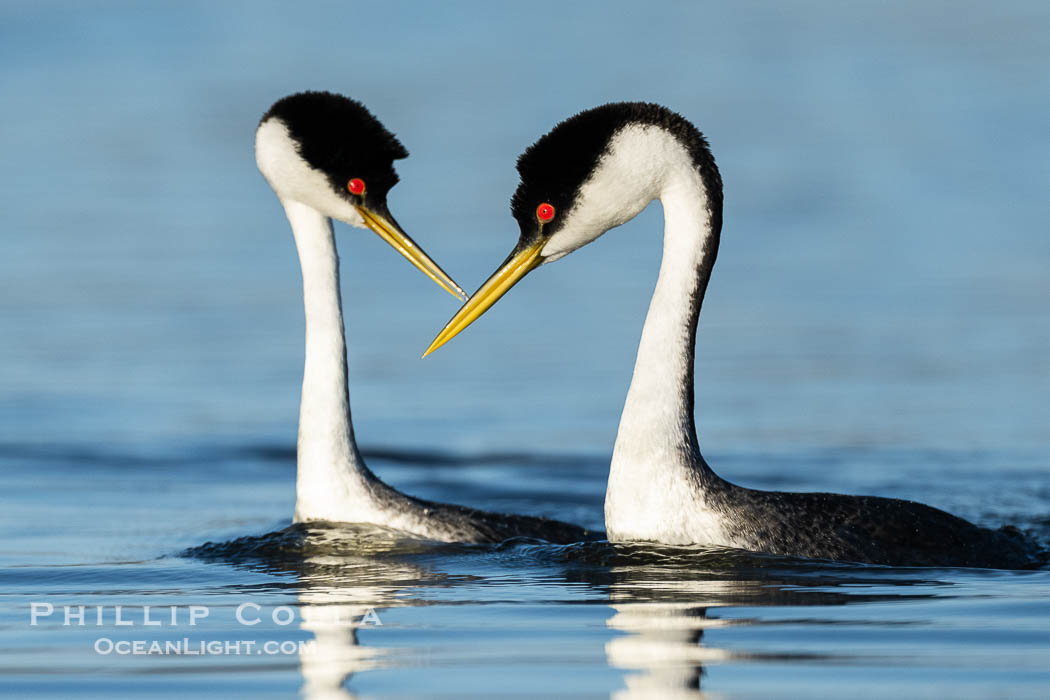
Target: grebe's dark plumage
(867,529)
(599,169)
(327,157)
(339,137)
(555,167)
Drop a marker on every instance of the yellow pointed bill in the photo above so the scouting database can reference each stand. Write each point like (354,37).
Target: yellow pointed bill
(517,266)
(390,232)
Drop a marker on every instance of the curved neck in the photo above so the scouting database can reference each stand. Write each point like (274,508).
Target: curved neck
(330,469)
(657,430)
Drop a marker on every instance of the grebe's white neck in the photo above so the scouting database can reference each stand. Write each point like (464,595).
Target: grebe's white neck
(333,482)
(657,476)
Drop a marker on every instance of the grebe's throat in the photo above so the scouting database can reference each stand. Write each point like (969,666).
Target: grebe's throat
(657,475)
(331,472)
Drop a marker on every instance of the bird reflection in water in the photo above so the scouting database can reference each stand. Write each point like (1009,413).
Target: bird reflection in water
(663,641)
(333,616)
(346,575)
(665,600)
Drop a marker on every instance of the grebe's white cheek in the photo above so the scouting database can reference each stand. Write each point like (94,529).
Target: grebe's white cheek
(292,178)
(352,217)
(566,240)
(626,179)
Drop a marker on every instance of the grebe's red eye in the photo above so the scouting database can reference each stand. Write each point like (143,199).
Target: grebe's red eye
(356,186)
(544,213)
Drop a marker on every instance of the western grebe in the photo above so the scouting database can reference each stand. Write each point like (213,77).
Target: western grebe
(327,157)
(596,171)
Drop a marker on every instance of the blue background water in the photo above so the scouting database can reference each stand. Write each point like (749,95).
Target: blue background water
(878,323)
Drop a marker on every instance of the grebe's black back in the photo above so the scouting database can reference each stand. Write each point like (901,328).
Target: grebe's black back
(326,156)
(596,171)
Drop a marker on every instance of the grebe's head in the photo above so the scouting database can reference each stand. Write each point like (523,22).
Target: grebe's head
(590,173)
(330,153)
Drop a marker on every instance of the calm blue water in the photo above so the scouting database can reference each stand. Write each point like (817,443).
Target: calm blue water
(878,323)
